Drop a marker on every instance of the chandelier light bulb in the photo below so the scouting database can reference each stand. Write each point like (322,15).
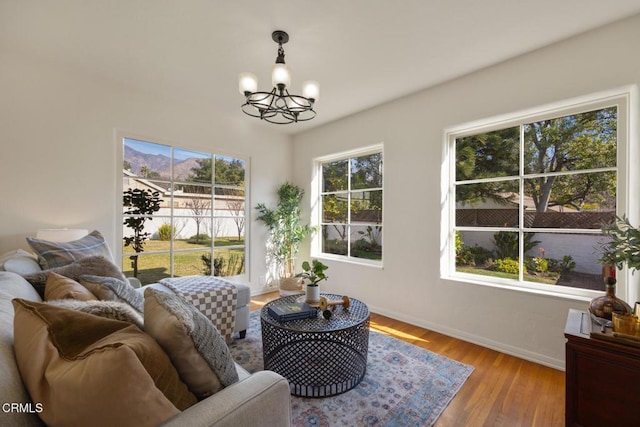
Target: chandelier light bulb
(311,90)
(247,82)
(280,75)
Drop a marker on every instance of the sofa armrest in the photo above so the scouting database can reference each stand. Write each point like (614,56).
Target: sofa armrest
(134,282)
(262,399)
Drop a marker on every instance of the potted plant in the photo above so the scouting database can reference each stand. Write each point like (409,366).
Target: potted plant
(287,233)
(314,273)
(138,202)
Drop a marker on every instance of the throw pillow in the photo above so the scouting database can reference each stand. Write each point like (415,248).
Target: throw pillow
(112,289)
(14,253)
(87,370)
(108,309)
(61,287)
(94,265)
(58,254)
(19,261)
(194,345)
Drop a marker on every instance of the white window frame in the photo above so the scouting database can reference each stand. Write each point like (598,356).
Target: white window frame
(628,184)
(120,137)
(316,209)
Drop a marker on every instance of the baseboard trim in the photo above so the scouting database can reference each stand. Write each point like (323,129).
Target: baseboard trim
(263,290)
(474,339)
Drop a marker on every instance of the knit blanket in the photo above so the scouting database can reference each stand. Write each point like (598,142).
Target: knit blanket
(212,296)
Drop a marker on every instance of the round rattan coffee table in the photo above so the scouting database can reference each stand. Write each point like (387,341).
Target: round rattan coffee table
(318,357)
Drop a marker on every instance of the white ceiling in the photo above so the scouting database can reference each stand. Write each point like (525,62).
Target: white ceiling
(363,52)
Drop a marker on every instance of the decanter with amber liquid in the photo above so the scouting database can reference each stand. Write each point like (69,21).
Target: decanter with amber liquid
(606,305)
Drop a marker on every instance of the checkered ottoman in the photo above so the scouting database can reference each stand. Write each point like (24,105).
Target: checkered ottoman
(225,303)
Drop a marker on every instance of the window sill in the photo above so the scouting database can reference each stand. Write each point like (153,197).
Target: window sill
(573,294)
(355,261)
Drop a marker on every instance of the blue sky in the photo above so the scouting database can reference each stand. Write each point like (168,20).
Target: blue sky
(163,150)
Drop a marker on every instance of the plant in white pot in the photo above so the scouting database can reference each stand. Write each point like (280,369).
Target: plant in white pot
(287,233)
(314,273)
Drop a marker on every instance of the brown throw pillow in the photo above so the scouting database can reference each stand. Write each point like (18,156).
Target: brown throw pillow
(87,370)
(61,287)
(96,265)
(192,342)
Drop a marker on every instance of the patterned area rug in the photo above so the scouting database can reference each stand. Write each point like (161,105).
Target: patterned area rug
(404,385)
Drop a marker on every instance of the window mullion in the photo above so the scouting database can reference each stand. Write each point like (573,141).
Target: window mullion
(213,215)
(348,230)
(171,213)
(521,224)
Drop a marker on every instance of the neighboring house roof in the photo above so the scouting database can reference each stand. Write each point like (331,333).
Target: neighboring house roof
(180,198)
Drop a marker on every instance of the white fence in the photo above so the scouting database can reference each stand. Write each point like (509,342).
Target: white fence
(582,248)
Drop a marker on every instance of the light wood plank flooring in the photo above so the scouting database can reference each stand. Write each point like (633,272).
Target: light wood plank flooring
(502,391)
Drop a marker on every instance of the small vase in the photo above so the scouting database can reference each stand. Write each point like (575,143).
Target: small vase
(313,294)
(608,304)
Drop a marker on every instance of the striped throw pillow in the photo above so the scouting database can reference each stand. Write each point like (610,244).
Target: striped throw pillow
(58,254)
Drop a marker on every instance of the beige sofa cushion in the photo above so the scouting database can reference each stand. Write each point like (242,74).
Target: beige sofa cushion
(61,287)
(87,370)
(11,388)
(196,348)
(19,261)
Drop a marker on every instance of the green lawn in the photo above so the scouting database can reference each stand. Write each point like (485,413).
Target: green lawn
(155,266)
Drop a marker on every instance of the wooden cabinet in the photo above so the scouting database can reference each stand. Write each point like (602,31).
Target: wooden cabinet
(602,377)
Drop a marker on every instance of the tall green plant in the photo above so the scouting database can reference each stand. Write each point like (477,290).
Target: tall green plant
(284,224)
(507,244)
(139,204)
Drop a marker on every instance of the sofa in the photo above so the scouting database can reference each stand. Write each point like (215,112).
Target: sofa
(55,254)
(262,398)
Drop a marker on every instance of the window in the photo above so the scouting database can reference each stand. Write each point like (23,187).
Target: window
(183,214)
(350,206)
(531,193)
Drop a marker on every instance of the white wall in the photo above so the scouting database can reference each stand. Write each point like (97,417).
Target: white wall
(58,134)
(409,286)
(580,246)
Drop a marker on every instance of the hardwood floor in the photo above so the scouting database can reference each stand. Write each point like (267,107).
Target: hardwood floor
(502,391)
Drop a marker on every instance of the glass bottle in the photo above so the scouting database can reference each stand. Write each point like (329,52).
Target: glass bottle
(607,304)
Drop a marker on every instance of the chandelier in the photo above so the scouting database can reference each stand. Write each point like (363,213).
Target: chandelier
(278,106)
